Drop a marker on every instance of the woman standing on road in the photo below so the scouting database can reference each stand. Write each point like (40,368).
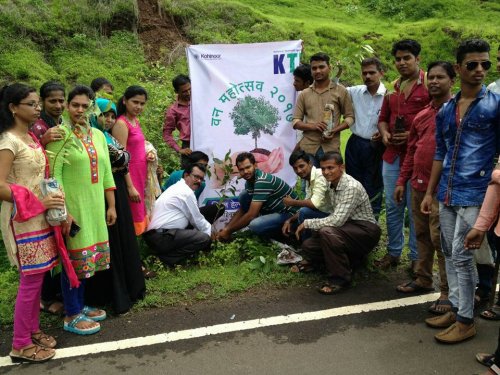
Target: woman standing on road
(28,238)
(80,163)
(123,284)
(52,96)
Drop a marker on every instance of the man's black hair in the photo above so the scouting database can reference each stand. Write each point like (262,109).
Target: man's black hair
(373,61)
(471,46)
(179,81)
(320,56)
(298,155)
(333,155)
(303,71)
(409,45)
(244,156)
(190,167)
(447,66)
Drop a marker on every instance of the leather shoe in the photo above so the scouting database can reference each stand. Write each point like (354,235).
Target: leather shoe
(386,261)
(442,321)
(456,333)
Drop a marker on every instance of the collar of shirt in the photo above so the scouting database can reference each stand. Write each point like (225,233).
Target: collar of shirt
(479,95)
(330,87)
(420,81)
(380,91)
(340,185)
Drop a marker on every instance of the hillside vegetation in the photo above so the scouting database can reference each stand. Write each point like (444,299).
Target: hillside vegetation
(142,42)
(131,41)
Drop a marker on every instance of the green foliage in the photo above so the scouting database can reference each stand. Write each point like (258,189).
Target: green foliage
(247,249)
(254,115)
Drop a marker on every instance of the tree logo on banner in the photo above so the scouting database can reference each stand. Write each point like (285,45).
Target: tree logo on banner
(253,115)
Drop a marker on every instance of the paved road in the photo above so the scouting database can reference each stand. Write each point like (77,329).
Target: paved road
(389,341)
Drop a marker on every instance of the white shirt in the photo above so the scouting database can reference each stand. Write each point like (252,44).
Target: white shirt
(317,190)
(366,109)
(176,208)
(495,86)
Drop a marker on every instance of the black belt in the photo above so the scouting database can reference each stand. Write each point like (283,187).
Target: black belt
(159,230)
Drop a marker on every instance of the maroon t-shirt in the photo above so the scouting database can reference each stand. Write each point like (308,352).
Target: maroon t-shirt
(396,104)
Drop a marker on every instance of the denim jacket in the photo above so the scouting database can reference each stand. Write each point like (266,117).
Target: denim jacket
(467,150)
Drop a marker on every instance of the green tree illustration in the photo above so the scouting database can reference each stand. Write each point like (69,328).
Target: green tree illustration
(254,115)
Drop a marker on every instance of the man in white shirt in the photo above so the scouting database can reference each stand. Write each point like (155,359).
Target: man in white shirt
(178,230)
(495,86)
(316,202)
(363,153)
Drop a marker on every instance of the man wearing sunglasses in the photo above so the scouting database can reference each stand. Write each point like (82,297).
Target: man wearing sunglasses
(495,86)
(467,140)
(178,230)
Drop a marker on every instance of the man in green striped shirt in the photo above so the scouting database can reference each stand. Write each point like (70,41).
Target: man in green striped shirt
(261,203)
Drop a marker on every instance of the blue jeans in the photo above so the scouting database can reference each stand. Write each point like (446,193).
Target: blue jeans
(269,225)
(456,222)
(73,298)
(309,213)
(395,213)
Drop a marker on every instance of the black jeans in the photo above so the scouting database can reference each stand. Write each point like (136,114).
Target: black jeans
(174,246)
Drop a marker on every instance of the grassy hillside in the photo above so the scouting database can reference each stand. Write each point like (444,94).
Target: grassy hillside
(75,41)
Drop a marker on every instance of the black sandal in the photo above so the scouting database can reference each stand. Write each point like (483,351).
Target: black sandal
(332,288)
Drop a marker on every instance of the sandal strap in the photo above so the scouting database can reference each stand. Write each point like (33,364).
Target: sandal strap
(79,318)
(88,309)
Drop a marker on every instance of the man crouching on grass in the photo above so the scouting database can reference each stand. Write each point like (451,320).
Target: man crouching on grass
(341,240)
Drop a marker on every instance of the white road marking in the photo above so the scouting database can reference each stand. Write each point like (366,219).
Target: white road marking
(78,351)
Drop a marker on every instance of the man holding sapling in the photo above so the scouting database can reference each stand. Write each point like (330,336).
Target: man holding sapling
(261,203)
(322,104)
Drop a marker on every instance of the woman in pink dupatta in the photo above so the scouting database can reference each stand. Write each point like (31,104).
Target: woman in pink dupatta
(30,241)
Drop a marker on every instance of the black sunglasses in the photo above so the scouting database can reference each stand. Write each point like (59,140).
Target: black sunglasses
(471,65)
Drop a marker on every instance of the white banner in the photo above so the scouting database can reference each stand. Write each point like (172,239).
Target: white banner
(242,99)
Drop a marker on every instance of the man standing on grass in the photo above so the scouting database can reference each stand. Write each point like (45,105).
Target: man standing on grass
(261,203)
(178,117)
(467,141)
(396,116)
(344,238)
(416,168)
(363,153)
(322,99)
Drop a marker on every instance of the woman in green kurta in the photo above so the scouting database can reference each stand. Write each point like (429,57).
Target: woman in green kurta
(80,163)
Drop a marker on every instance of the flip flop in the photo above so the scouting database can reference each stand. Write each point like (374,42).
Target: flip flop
(413,287)
(71,326)
(492,313)
(433,309)
(96,318)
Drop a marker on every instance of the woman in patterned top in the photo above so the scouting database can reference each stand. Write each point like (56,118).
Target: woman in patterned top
(29,240)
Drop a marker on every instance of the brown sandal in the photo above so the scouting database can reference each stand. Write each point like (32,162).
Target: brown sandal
(42,339)
(304,267)
(32,353)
